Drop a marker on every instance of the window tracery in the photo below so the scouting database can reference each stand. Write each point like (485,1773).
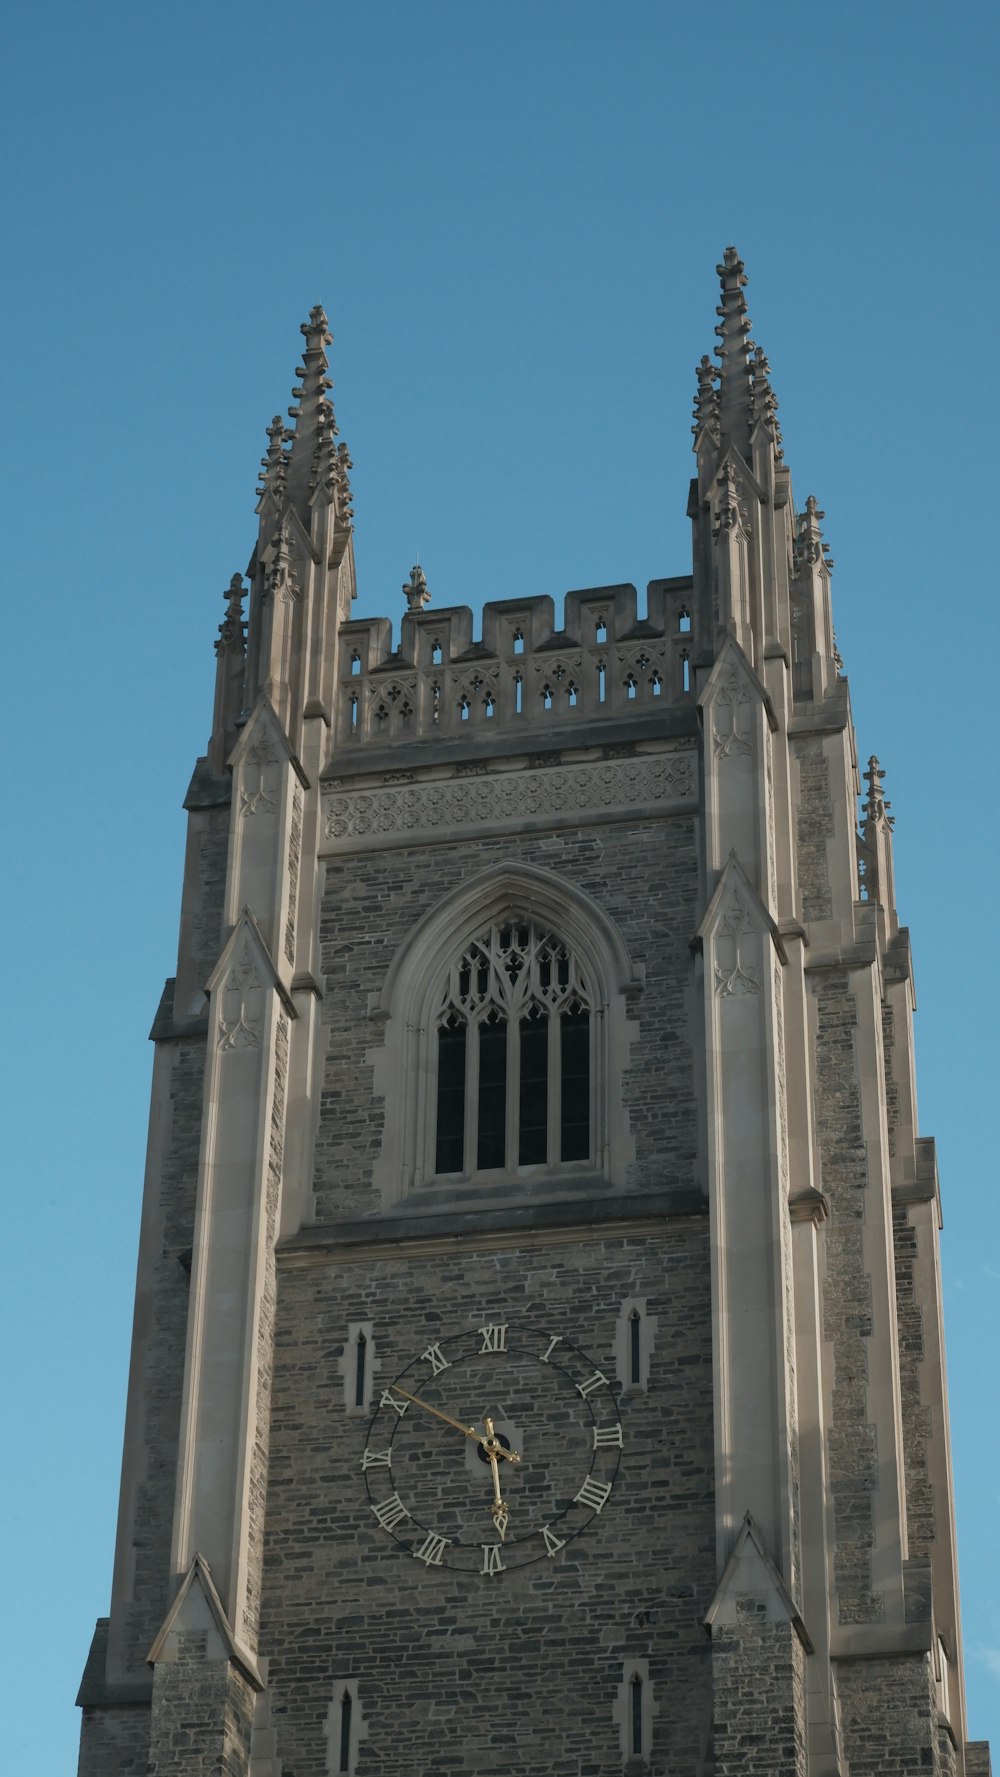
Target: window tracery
(514,1053)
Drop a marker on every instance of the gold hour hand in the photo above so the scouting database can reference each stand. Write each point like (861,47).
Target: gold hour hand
(498,1510)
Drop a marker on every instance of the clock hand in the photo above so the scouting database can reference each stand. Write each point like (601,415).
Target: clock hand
(467,1431)
(498,1510)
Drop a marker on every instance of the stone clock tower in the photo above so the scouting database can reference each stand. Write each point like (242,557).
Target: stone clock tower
(538,1358)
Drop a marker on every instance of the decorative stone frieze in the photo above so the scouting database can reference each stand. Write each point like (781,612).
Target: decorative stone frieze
(559,793)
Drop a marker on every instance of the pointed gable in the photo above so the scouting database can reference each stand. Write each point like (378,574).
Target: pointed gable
(197,1619)
(750,1574)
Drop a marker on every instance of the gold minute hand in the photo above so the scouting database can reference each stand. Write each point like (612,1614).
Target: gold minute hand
(467,1431)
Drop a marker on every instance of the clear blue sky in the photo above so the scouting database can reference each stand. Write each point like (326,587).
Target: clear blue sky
(512,214)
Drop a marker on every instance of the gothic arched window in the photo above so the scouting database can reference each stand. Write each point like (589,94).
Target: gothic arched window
(513,1042)
(506,1042)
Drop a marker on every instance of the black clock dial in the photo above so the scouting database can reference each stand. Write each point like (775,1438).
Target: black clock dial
(496,1446)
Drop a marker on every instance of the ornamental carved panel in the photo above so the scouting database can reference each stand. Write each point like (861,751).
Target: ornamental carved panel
(496,798)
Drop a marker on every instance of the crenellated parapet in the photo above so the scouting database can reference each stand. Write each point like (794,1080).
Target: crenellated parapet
(522,673)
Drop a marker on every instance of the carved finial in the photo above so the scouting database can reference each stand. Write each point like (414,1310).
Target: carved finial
(232,629)
(876,807)
(282,580)
(731,510)
(733,349)
(274,466)
(706,401)
(317,329)
(763,402)
(810,549)
(415,589)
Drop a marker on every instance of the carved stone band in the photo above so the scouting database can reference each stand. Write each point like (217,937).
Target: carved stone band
(560,793)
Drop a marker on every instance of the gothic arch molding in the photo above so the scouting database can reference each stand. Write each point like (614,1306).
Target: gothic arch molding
(405,1066)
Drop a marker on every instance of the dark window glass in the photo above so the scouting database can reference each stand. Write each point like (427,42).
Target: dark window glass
(359,1370)
(634,1363)
(492,1143)
(450,1146)
(345,1733)
(636,1724)
(533,1110)
(575,1070)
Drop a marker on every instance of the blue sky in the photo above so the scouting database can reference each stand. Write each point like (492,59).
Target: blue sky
(513,217)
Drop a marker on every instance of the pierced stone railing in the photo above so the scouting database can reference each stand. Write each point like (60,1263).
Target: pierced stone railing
(523,673)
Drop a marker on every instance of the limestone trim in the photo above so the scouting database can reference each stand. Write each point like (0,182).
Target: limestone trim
(198,1607)
(330,1248)
(406,1066)
(751,1571)
(546,794)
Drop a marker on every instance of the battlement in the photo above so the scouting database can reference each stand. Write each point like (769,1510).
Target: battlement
(524,672)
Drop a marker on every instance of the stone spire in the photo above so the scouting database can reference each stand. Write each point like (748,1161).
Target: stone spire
(763,401)
(875,806)
(230,653)
(315,426)
(274,466)
(810,549)
(735,384)
(706,403)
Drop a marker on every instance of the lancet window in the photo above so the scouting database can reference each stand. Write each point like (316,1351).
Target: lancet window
(514,1049)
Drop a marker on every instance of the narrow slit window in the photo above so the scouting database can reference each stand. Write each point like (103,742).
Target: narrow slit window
(685,672)
(346,1710)
(635,1716)
(354,712)
(600,681)
(601,630)
(450,1146)
(518,642)
(435,653)
(518,685)
(684,622)
(360,1366)
(491,1143)
(634,1349)
(355,663)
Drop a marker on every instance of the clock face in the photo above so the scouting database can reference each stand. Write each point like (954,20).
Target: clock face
(495,1447)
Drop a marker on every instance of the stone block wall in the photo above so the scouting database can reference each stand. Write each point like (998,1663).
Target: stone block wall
(374,899)
(457,1671)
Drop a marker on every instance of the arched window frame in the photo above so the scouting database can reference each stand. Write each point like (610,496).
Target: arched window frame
(406,1067)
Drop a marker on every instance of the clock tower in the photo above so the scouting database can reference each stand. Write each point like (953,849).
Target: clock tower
(538,1356)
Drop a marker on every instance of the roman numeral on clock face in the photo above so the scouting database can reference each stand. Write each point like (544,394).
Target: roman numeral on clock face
(491,1558)
(388,1399)
(552,1542)
(493,1338)
(431,1549)
(593,1494)
(436,1358)
(392,1512)
(597,1380)
(609,1436)
(372,1459)
(550,1348)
